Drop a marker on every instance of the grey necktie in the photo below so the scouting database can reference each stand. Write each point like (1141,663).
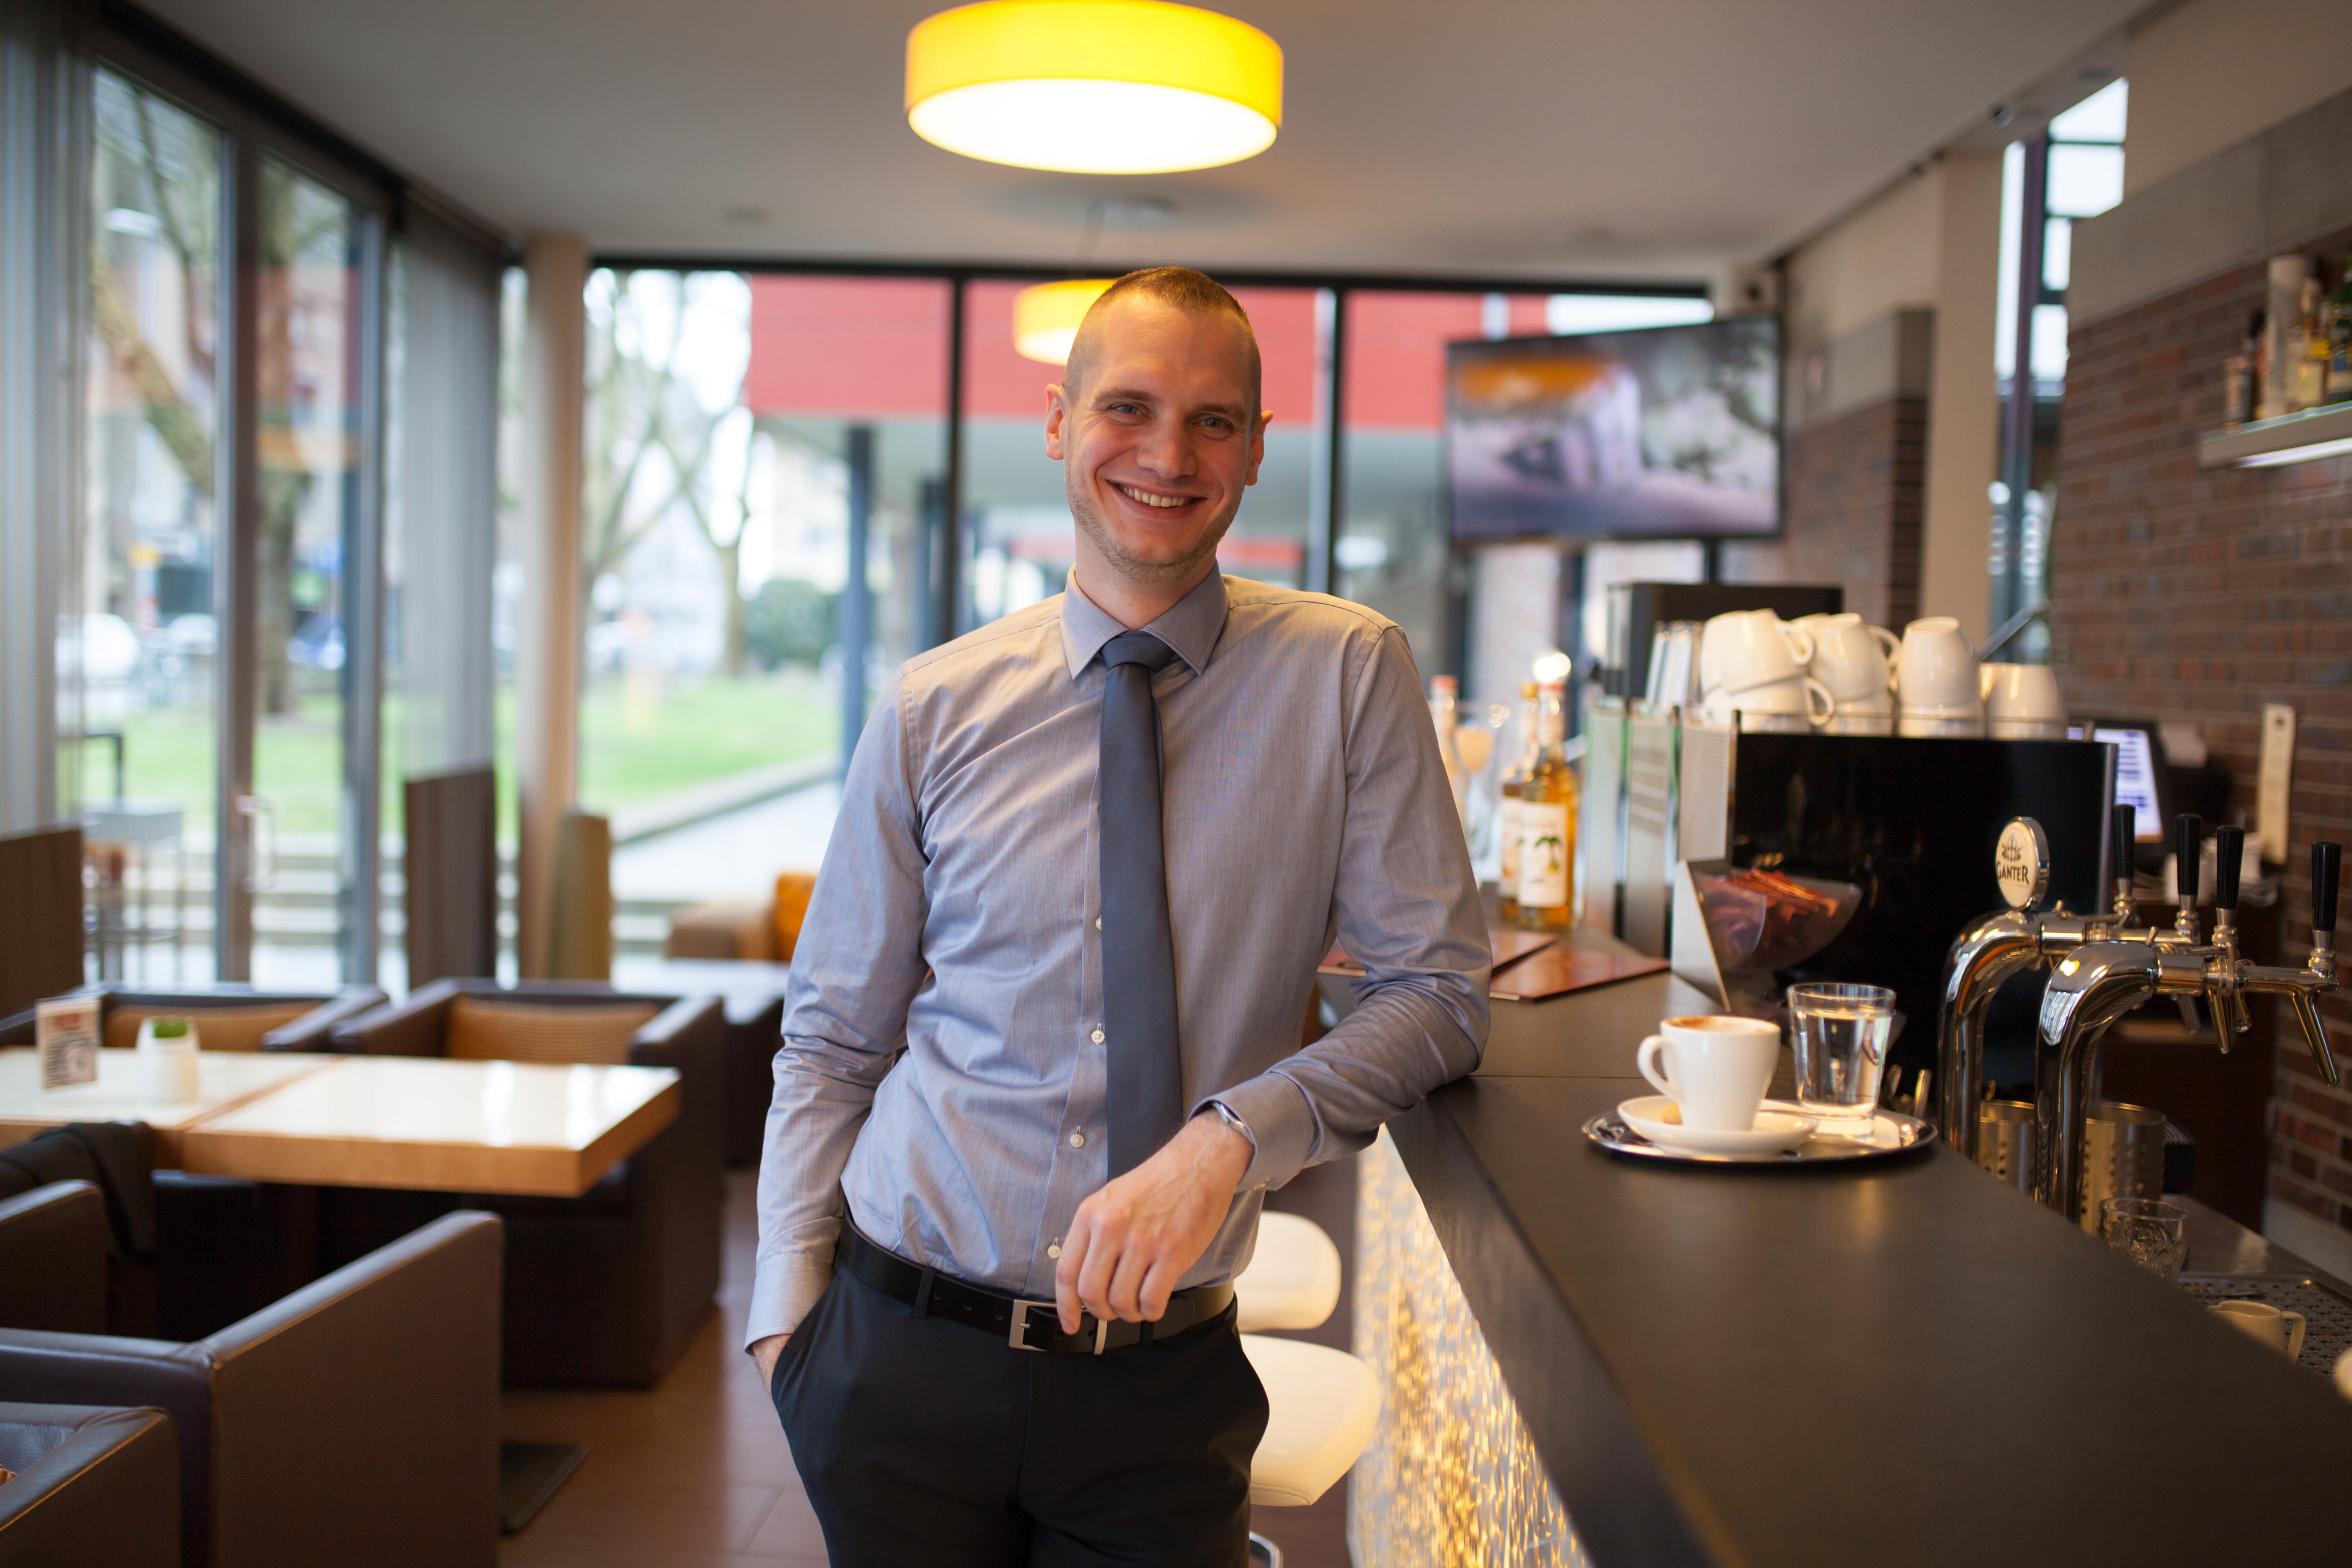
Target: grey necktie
(1144,1067)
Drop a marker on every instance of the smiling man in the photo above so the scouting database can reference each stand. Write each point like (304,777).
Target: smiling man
(1040,1051)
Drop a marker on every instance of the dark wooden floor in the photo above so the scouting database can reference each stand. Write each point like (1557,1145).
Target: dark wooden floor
(695,1474)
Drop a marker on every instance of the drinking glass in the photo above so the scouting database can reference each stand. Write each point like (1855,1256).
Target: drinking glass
(1841,1033)
(2150,1232)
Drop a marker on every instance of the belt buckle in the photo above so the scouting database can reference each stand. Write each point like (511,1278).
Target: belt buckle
(1018,1338)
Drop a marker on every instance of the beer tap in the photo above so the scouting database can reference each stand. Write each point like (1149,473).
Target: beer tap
(1999,946)
(2102,981)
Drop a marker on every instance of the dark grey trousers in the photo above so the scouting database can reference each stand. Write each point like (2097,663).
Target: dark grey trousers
(928,1444)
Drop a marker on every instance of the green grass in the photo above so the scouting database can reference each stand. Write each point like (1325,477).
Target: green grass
(641,737)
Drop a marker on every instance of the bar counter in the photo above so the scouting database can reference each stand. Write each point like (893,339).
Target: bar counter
(1903,1362)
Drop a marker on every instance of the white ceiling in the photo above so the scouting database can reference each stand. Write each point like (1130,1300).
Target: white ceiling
(1664,138)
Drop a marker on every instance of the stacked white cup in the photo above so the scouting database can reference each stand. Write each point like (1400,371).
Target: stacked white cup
(1752,668)
(2021,703)
(1852,660)
(1937,678)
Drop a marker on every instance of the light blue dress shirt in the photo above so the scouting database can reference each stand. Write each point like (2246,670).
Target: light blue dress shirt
(942,1065)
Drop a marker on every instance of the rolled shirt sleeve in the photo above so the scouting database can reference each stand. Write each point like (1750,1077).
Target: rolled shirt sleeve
(1406,906)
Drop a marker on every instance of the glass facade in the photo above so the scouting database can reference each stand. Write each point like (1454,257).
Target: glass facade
(146,643)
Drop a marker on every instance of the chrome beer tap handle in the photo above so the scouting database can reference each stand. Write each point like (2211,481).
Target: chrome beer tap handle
(2304,987)
(2123,824)
(2188,844)
(2224,991)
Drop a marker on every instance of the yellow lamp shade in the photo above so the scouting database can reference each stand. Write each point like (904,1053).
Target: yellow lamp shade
(1094,86)
(1046,317)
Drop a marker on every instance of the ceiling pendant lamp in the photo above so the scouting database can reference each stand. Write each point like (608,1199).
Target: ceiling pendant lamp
(1045,316)
(1094,86)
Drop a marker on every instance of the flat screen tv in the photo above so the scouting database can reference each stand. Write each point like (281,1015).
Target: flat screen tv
(1664,433)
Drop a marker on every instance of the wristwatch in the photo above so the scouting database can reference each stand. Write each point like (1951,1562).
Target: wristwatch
(1232,1117)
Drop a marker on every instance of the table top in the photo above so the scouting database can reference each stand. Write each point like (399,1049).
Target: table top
(1906,1361)
(225,1079)
(427,1124)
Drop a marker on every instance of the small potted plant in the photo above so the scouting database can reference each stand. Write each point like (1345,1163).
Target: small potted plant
(168,1070)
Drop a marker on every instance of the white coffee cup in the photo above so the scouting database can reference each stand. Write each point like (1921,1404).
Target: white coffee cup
(1751,647)
(2023,691)
(2025,729)
(1863,716)
(1850,657)
(1791,707)
(2261,1321)
(1715,1069)
(1927,727)
(1938,665)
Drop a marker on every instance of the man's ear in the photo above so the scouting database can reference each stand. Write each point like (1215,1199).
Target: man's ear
(1058,409)
(1257,445)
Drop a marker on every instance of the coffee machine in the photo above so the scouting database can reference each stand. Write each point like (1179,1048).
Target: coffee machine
(1911,823)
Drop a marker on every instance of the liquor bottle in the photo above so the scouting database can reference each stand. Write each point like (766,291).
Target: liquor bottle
(2241,376)
(1507,810)
(1546,896)
(2309,386)
(2339,341)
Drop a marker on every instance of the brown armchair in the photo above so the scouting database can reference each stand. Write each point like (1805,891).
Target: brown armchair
(95,1487)
(355,1422)
(605,1290)
(53,1249)
(228,1018)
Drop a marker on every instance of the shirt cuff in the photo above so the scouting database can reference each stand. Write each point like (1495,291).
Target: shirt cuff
(783,1289)
(1281,1125)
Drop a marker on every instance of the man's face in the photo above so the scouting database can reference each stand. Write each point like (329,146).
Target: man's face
(1160,439)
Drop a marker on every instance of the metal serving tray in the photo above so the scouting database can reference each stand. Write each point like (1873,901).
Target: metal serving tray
(1894,1133)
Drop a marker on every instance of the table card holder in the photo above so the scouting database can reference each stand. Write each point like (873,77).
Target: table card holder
(65,1028)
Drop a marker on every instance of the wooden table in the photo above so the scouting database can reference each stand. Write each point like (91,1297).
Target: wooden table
(422,1123)
(226,1080)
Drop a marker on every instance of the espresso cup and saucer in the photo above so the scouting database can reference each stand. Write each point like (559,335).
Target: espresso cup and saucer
(1711,1073)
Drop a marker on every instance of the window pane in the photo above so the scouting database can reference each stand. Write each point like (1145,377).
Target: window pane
(148,639)
(1392,552)
(2098,118)
(2084,181)
(740,429)
(2057,252)
(2050,343)
(1019,530)
(306,368)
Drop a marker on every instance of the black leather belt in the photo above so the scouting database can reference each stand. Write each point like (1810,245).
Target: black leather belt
(1025,1325)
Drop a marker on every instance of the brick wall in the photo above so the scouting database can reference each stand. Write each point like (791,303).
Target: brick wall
(1856,494)
(2198,596)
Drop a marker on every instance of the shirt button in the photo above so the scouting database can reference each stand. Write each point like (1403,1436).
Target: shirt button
(1077,1140)
(1098,922)
(1055,1250)
(1098,1036)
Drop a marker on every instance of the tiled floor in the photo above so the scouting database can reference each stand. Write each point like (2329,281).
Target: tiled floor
(692,1475)
(695,1474)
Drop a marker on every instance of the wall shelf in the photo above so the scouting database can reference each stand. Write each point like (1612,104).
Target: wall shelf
(2269,442)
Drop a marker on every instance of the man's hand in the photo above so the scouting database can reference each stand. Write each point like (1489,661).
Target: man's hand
(1130,1243)
(765,1352)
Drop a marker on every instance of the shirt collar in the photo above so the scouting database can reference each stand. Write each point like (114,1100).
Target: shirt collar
(1191,626)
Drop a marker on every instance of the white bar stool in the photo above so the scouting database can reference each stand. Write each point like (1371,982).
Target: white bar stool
(1293,1277)
(1321,1403)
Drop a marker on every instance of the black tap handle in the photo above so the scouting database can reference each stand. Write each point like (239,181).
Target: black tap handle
(2127,840)
(2327,860)
(2228,852)
(2188,844)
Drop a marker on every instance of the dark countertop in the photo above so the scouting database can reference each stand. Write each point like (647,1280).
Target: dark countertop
(1898,1362)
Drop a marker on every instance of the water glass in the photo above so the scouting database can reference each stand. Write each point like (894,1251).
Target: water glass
(1841,1033)
(2150,1232)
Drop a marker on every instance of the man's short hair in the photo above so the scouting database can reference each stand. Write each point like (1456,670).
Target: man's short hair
(1182,287)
